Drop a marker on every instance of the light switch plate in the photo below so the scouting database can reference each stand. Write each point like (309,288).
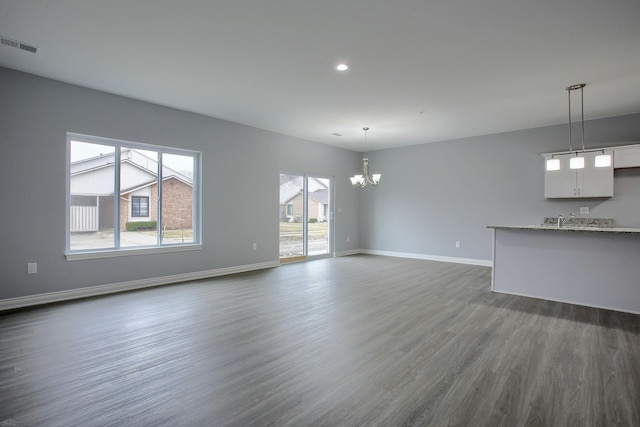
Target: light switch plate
(584,210)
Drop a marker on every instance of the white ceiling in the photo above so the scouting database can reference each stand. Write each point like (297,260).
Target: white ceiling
(421,70)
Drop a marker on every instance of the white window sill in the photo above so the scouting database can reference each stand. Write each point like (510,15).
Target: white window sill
(114,253)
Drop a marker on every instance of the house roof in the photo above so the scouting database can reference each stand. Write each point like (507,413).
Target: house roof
(320,196)
(291,185)
(137,171)
(147,184)
(132,156)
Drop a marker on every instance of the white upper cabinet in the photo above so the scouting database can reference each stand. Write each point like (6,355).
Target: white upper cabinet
(596,181)
(590,181)
(561,182)
(627,156)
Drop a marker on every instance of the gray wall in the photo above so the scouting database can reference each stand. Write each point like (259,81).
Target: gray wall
(240,184)
(540,264)
(433,195)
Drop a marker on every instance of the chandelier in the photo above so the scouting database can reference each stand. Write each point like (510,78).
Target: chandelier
(365,178)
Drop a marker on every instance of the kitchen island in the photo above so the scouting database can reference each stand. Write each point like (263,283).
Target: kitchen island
(592,266)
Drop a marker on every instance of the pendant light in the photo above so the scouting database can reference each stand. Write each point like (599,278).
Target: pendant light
(578,161)
(365,178)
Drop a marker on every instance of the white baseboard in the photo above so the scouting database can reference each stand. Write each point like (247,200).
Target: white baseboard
(30,300)
(470,261)
(349,252)
(20,302)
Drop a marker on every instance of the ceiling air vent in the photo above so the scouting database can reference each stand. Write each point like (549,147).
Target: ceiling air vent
(18,45)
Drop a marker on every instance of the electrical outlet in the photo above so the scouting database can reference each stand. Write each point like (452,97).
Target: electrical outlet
(32,268)
(255,246)
(584,210)
(457,243)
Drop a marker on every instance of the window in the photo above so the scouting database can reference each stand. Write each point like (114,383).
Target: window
(139,206)
(289,209)
(133,196)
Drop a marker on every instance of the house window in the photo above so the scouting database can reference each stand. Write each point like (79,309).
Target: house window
(139,206)
(289,208)
(128,195)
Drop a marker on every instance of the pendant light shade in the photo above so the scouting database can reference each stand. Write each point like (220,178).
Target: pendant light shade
(576,162)
(603,160)
(553,164)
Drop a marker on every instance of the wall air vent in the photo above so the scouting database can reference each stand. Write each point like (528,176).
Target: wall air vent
(18,45)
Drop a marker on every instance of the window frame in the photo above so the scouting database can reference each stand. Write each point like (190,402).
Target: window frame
(137,214)
(117,251)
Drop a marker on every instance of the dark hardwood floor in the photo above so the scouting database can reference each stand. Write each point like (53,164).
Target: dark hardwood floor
(352,341)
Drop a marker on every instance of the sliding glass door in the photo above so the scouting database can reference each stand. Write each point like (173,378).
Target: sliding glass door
(318,215)
(292,230)
(306,224)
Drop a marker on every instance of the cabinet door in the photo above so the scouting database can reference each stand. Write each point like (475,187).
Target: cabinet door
(593,181)
(627,156)
(560,183)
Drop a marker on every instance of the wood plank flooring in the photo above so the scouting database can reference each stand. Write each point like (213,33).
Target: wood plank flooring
(352,341)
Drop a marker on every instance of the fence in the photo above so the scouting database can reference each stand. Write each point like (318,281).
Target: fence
(84,218)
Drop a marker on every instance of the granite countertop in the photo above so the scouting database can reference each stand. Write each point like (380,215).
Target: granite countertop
(569,228)
(581,224)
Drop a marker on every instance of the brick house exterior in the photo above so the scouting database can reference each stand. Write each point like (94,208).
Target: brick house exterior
(316,208)
(177,205)
(138,179)
(297,204)
(292,199)
(178,201)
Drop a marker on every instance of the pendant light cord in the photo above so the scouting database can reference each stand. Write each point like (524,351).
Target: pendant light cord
(569,89)
(582,107)
(365,129)
(570,137)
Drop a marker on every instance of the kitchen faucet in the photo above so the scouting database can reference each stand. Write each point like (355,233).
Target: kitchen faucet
(562,220)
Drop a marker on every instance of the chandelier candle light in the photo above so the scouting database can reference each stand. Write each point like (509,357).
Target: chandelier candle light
(365,178)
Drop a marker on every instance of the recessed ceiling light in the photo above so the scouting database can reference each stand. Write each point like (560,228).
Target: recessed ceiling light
(342,67)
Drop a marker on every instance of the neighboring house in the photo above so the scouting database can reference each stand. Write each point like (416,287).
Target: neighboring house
(292,199)
(92,203)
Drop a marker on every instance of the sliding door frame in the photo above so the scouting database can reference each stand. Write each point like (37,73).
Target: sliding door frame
(305,217)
